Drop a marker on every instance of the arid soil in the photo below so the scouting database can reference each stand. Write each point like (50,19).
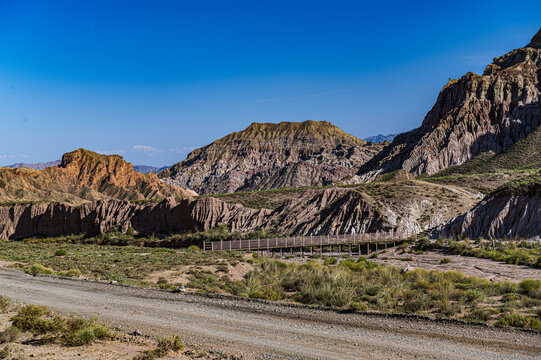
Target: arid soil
(256,329)
(483,268)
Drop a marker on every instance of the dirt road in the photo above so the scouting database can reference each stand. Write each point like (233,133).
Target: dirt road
(258,330)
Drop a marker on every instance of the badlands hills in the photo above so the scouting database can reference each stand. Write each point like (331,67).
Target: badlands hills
(475,156)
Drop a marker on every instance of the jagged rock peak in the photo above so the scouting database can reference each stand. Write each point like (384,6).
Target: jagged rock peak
(85,156)
(536,41)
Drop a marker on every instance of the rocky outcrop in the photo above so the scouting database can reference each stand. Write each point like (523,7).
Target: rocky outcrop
(84,176)
(472,115)
(265,156)
(331,211)
(510,212)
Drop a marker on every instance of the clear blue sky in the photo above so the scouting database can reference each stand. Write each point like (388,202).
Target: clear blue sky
(153,79)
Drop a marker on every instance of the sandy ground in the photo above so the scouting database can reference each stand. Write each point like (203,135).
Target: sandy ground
(483,268)
(256,330)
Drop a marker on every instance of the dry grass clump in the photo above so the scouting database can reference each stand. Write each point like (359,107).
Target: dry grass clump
(48,327)
(164,347)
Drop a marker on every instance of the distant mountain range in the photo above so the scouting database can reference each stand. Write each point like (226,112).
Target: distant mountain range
(376,139)
(143,169)
(35,166)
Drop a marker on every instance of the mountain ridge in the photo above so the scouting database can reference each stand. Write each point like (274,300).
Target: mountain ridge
(84,176)
(472,115)
(272,155)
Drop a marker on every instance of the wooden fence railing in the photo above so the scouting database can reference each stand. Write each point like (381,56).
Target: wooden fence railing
(305,241)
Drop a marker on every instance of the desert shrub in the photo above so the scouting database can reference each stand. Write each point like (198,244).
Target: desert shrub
(4,353)
(164,347)
(531,288)
(36,269)
(5,304)
(193,248)
(331,261)
(481,314)
(9,335)
(60,252)
(162,281)
(73,273)
(517,320)
(445,261)
(473,295)
(39,321)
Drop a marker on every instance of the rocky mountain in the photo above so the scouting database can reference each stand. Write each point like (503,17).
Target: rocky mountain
(376,139)
(472,115)
(513,211)
(35,166)
(84,176)
(266,155)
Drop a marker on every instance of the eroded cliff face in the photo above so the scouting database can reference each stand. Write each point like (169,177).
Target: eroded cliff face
(506,213)
(265,156)
(472,115)
(84,176)
(311,212)
(329,212)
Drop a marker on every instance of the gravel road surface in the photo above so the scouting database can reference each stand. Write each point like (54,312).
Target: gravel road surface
(264,331)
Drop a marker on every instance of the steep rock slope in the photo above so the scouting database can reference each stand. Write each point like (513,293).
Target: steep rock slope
(513,211)
(472,115)
(312,211)
(84,176)
(264,156)
(333,211)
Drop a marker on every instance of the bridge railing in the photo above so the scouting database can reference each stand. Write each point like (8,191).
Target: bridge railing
(304,241)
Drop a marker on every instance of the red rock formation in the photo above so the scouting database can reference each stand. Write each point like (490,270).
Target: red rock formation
(84,176)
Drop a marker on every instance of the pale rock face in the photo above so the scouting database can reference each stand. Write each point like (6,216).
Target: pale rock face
(506,213)
(473,114)
(266,156)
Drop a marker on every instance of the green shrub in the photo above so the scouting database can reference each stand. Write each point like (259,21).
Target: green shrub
(517,320)
(36,269)
(531,288)
(73,273)
(60,252)
(331,261)
(81,337)
(359,306)
(445,261)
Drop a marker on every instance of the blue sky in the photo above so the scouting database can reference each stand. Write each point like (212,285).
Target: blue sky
(152,80)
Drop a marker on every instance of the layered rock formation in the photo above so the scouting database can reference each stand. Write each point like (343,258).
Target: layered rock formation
(84,176)
(509,212)
(472,115)
(327,212)
(265,156)
(309,212)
